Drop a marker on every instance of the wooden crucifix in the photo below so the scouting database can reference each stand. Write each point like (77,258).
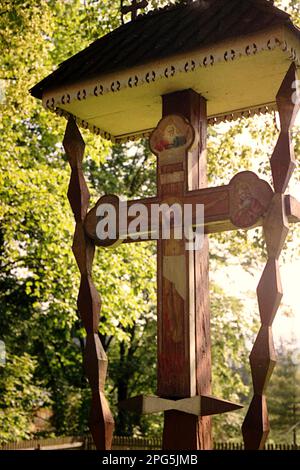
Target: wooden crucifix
(184,361)
(133,8)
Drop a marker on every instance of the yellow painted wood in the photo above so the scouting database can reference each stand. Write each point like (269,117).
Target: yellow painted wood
(248,81)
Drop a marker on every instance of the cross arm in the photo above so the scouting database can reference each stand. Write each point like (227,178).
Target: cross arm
(216,212)
(243,203)
(121,207)
(240,204)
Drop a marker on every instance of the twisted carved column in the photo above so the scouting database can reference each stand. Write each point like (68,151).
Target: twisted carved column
(269,291)
(95,361)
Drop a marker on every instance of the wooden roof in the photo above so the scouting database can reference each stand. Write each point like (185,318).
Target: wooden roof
(166,32)
(114,86)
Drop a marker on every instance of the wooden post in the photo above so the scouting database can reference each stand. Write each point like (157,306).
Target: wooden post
(89,303)
(184,353)
(269,291)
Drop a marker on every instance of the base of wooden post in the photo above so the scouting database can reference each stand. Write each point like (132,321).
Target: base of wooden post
(182,431)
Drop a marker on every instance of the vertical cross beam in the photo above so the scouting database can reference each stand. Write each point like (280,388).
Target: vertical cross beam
(184,356)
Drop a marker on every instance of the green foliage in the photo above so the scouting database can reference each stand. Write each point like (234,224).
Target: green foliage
(291,6)
(20,394)
(284,396)
(230,332)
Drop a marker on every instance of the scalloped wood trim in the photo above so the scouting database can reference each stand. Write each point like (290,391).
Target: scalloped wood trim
(280,38)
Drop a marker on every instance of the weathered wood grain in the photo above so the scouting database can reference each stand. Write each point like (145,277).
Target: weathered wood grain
(262,360)
(256,426)
(269,292)
(288,106)
(101,421)
(240,204)
(276,226)
(192,355)
(283,162)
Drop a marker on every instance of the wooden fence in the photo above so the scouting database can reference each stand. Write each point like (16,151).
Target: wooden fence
(119,443)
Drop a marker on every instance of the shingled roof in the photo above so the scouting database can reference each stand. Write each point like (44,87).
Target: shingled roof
(165,32)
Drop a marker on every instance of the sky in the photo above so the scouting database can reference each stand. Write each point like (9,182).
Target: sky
(241,284)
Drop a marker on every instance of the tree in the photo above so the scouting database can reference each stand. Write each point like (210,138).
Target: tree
(284,396)
(20,394)
(38,274)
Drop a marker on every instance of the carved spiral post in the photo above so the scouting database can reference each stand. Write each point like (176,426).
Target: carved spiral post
(95,361)
(269,291)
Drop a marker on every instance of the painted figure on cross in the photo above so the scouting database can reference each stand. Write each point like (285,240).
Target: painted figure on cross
(250,208)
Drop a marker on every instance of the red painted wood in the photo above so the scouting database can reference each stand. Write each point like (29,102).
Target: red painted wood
(89,303)
(256,425)
(262,358)
(174,371)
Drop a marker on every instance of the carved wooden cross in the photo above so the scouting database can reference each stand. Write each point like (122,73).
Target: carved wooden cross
(184,361)
(133,8)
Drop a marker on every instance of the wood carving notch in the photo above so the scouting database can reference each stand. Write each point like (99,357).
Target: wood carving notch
(198,405)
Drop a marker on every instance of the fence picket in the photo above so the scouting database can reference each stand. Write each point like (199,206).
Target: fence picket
(119,443)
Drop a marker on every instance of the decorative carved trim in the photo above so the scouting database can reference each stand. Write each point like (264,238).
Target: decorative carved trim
(141,76)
